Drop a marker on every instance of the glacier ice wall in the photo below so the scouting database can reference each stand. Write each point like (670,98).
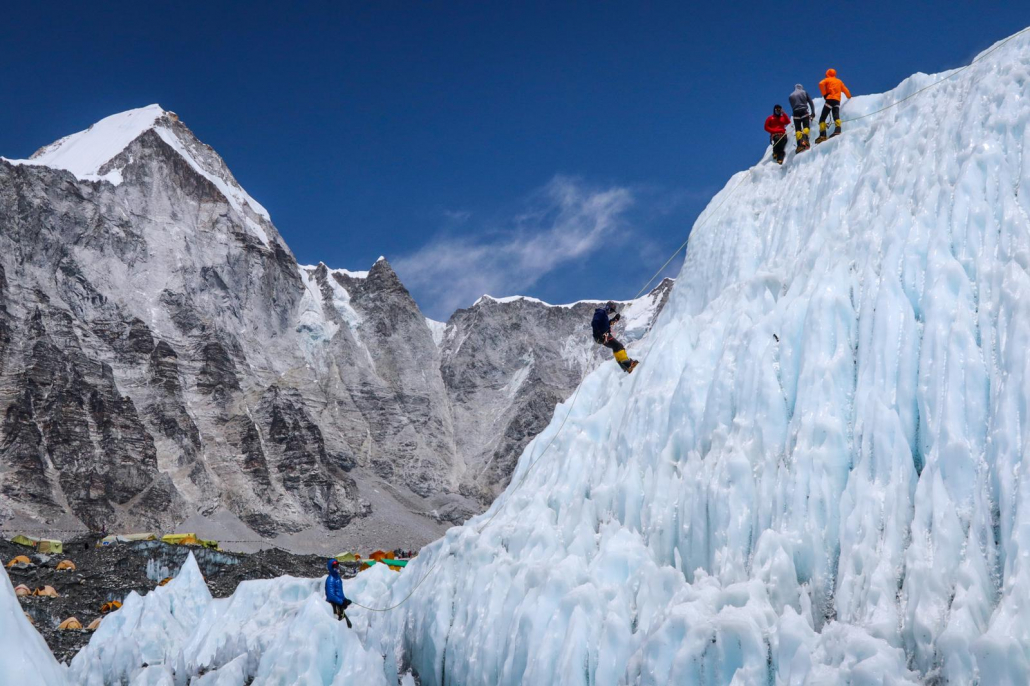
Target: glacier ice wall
(815,476)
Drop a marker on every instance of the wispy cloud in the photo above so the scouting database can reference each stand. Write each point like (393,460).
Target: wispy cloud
(564,221)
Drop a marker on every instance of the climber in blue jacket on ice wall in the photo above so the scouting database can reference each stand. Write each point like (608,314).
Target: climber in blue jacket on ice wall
(334,592)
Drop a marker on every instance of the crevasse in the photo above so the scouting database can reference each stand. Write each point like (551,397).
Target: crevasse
(815,475)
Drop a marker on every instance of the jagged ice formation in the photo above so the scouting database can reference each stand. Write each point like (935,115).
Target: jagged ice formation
(816,474)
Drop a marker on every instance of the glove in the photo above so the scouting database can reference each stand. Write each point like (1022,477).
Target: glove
(346,603)
(616,318)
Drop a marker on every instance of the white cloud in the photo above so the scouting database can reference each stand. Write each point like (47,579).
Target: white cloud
(562,222)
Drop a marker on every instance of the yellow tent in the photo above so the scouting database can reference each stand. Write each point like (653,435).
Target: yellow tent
(19,560)
(66,565)
(348,557)
(21,590)
(46,592)
(70,623)
(95,624)
(213,545)
(164,581)
(52,547)
(180,539)
(24,540)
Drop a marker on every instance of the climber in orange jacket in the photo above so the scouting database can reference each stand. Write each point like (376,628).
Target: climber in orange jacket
(831,87)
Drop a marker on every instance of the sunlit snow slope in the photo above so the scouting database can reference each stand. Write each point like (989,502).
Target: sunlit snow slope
(815,476)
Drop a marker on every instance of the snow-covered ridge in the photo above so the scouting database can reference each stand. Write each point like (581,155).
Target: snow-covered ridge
(537,301)
(86,154)
(342,272)
(636,315)
(814,476)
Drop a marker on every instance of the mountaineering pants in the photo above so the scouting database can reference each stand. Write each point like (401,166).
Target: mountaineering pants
(828,106)
(779,143)
(802,122)
(618,349)
(341,615)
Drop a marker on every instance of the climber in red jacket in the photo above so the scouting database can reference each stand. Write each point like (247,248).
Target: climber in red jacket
(776,125)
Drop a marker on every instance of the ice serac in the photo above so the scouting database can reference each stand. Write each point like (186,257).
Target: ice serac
(25,658)
(269,632)
(816,474)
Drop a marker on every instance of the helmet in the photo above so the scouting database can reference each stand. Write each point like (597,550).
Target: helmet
(831,72)
(777,108)
(610,306)
(335,563)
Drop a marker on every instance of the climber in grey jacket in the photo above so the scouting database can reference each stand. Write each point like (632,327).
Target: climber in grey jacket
(803,109)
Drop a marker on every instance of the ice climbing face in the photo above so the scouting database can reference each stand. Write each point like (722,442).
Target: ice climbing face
(831,411)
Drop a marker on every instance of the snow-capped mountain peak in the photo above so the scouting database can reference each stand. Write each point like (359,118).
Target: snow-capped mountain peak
(100,153)
(85,153)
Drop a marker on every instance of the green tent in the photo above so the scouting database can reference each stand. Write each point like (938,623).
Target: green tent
(21,539)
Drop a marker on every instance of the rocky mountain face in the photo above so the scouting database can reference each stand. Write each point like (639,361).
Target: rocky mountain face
(163,356)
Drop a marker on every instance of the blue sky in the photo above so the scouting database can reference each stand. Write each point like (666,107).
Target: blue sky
(560,150)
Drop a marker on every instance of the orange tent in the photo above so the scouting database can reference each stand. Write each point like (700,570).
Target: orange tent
(22,590)
(165,581)
(110,607)
(66,565)
(70,623)
(19,560)
(380,555)
(46,592)
(95,624)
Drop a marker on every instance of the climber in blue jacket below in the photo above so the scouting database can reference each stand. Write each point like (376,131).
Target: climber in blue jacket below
(602,326)
(334,592)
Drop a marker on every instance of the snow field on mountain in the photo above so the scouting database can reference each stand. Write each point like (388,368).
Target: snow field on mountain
(276,631)
(815,475)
